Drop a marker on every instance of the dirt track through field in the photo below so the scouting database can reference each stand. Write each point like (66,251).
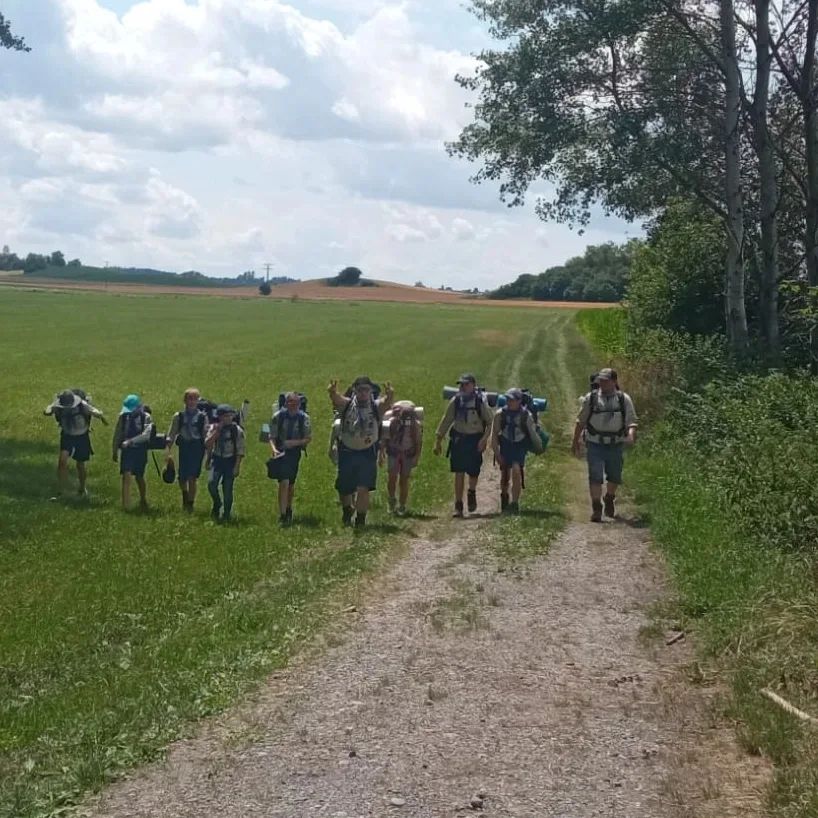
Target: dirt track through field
(465,686)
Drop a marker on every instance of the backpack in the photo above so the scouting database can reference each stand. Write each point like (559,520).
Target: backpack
(341,414)
(201,423)
(156,441)
(302,406)
(281,417)
(479,400)
(60,413)
(595,410)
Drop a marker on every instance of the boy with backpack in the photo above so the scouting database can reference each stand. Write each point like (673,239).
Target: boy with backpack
(290,434)
(608,421)
(225,443)
(402,446)
(468,421)
(132,434)
(360,413)
(513,434)
(188,431)
(73,412)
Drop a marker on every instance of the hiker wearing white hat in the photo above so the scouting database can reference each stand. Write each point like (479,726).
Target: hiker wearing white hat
(73,412)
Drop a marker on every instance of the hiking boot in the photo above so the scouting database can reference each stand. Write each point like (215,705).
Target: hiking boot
(143,506)
(188,506)
(289,514)
(401,512)
(610,505)
(458,509)
(82,494)
(360,519)
(347,515)
(282,519)
(393,504)
(214,513)
(596,516)
(513,508)
(472,501)
(503,502)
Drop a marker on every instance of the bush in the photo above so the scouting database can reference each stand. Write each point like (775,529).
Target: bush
(264,288)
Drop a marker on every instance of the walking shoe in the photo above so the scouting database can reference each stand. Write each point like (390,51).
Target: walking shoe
(360,519)
(143,506)
(401,512)
(282,519)
(458,509)
(596,517)
(347,515)
(82,494)
(214,513)
(189,506)
(503,502)
(393,504)
(610,505)
(472,501)
(513,508)
(289,514)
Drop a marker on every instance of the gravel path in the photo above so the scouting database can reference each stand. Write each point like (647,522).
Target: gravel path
(467,688)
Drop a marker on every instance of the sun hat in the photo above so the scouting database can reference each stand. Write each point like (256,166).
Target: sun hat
(404,405)
(67,399)
(363,381)
(467,377)
(130,403)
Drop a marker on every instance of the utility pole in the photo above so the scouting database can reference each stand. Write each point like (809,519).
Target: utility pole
(267,268)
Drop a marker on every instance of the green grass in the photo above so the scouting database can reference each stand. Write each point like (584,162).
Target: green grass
(120,630)
(605,329)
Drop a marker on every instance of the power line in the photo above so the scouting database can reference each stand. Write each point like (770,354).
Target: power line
(267,268)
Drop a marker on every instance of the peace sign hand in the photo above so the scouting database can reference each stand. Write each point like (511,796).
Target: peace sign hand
(333,388)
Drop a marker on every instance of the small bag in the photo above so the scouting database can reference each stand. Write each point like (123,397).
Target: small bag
(275,468)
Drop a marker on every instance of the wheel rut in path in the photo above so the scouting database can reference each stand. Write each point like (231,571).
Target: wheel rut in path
(528,686)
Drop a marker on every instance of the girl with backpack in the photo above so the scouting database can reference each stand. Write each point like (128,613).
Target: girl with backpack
(130,446)
(402,445)
(513,433)
(188,431)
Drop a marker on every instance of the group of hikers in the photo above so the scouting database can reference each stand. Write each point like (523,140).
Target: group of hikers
(370,430)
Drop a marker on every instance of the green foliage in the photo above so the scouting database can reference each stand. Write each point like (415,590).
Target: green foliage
(121,629)
(605,329)
(600,274)
(56,259)
(348,277)
(9,260)
(264,288)
(35,262)
(9,40)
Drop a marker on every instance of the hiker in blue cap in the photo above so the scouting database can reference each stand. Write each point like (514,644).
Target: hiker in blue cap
(225,442)
(513,433)
(130,446)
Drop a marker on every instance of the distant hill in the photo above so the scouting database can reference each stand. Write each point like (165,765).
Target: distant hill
(137,275)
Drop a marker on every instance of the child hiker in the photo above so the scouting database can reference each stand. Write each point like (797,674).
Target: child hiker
(401,445)
(290,434)
(130,447)
(188,431)
(512,434)
(225,442)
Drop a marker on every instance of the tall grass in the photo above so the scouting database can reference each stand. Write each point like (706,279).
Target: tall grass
(727,479)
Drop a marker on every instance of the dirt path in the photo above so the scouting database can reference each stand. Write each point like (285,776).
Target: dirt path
(467,687)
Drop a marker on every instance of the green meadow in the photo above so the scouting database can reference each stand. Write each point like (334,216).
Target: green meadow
(119,630)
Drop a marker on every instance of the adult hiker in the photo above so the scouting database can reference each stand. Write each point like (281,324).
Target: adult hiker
(188,431)
(608,421)
(226,444)
(290,434)
(401,447)
(73,412)
(360,413)
(467,420)
(130,446)
(513,434)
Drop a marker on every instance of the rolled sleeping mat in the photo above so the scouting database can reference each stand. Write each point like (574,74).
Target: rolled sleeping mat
(264,433)
(491,397)
(540,404)
(391,412)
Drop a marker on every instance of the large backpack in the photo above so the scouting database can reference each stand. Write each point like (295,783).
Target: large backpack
(62,413)
(595,410)
(342,413)
(157,440)
(479,400)
(281,418)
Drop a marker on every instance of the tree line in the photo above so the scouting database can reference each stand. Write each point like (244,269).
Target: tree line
(681,112)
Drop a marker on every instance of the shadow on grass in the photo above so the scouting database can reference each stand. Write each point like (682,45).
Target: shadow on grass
(540,513)
(29,470)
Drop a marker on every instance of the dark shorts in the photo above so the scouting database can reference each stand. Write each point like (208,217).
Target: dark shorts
(464,456)
(288,470)
(512,453)
(605,462)
(356,470)
(133,460)
(77,446)
(191,455)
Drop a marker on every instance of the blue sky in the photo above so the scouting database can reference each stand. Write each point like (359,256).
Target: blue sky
(222,134)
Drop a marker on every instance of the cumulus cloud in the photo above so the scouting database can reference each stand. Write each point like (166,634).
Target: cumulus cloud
(172,214)
(463,230)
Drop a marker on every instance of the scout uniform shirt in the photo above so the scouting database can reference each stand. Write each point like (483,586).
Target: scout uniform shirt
(229,443)
(605,414)
(189,427)
(466,420)
(516,428)
(290,425)
(360,425)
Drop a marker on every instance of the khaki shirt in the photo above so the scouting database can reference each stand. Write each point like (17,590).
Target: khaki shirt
(607,417)
(76,421)
(224,446)
(189,432)
(517,432)
(290,426)
(469,421)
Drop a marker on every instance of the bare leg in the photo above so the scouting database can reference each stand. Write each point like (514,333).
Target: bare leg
(362,501)
(596,492)
(473,483)
(392,484)
(459,486)
(62,471)
(82,476)
(143,492)
(290,495)
(283,496)
(191,490)
(404,490)
(516,483)
(612,487)
(126,490)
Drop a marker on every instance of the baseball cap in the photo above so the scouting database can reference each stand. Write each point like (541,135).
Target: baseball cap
(606,375)
(467,377)
(514,394)
(362,381)
(224,409)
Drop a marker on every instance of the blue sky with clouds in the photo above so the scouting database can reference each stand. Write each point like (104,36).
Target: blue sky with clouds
(222,134)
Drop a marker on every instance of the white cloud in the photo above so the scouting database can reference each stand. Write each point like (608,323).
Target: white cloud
(463,229)
(173,214)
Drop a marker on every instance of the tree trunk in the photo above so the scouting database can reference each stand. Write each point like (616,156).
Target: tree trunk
(768,184)
(809,103)
(736,314)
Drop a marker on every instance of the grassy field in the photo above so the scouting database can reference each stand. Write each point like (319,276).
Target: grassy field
(120,630)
